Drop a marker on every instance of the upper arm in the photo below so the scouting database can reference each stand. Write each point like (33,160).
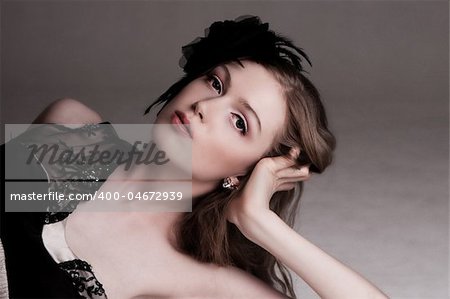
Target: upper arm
(68,111)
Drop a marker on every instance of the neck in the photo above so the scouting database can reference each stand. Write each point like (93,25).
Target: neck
(169,174)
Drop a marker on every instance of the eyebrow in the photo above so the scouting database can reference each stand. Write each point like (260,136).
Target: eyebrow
(242,101)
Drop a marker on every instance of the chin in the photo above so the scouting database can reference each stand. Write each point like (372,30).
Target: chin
(176,147)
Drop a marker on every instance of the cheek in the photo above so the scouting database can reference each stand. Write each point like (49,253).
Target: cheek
(219,159)
(192,92)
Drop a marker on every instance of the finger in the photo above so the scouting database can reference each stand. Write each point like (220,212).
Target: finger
(280,162)
(286,187)
(293,172)
(294,152)
(293,180)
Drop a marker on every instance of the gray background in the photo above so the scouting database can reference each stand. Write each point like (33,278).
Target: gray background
(382,69)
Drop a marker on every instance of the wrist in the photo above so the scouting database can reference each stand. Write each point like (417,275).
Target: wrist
(255,224)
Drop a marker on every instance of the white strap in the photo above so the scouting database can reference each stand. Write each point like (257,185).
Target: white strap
(54,238)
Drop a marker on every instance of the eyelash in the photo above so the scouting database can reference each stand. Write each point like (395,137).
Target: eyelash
(213,79)
(245,129)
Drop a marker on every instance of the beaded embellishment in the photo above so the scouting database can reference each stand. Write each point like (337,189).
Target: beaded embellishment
(83,279)
(80,175)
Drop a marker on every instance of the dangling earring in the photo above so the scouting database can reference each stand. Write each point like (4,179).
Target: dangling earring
(231,183)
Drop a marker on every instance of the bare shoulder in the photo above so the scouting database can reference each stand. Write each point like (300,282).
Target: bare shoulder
(237,283)
(201,280)
(68,111)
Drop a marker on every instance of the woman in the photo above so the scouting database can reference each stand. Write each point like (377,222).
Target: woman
(257,129)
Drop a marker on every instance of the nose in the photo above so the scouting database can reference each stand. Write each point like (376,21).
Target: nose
(210,106)
(199,109)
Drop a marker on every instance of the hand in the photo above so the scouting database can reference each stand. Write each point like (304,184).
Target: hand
(270,175)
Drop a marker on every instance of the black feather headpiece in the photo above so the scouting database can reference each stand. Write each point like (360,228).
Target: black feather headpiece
(225,41)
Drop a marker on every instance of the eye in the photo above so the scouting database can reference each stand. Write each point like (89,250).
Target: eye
(239,123)
(216,83)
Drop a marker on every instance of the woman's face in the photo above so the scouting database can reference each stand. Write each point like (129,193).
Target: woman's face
(234,115)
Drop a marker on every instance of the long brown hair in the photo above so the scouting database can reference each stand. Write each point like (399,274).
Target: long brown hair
(205,234)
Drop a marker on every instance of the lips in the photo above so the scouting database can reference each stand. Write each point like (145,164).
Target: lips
(182,122)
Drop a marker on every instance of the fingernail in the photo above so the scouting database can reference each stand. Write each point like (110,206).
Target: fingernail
(294,152)
(305,169)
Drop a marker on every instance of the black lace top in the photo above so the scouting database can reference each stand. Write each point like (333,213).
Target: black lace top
(31,270)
